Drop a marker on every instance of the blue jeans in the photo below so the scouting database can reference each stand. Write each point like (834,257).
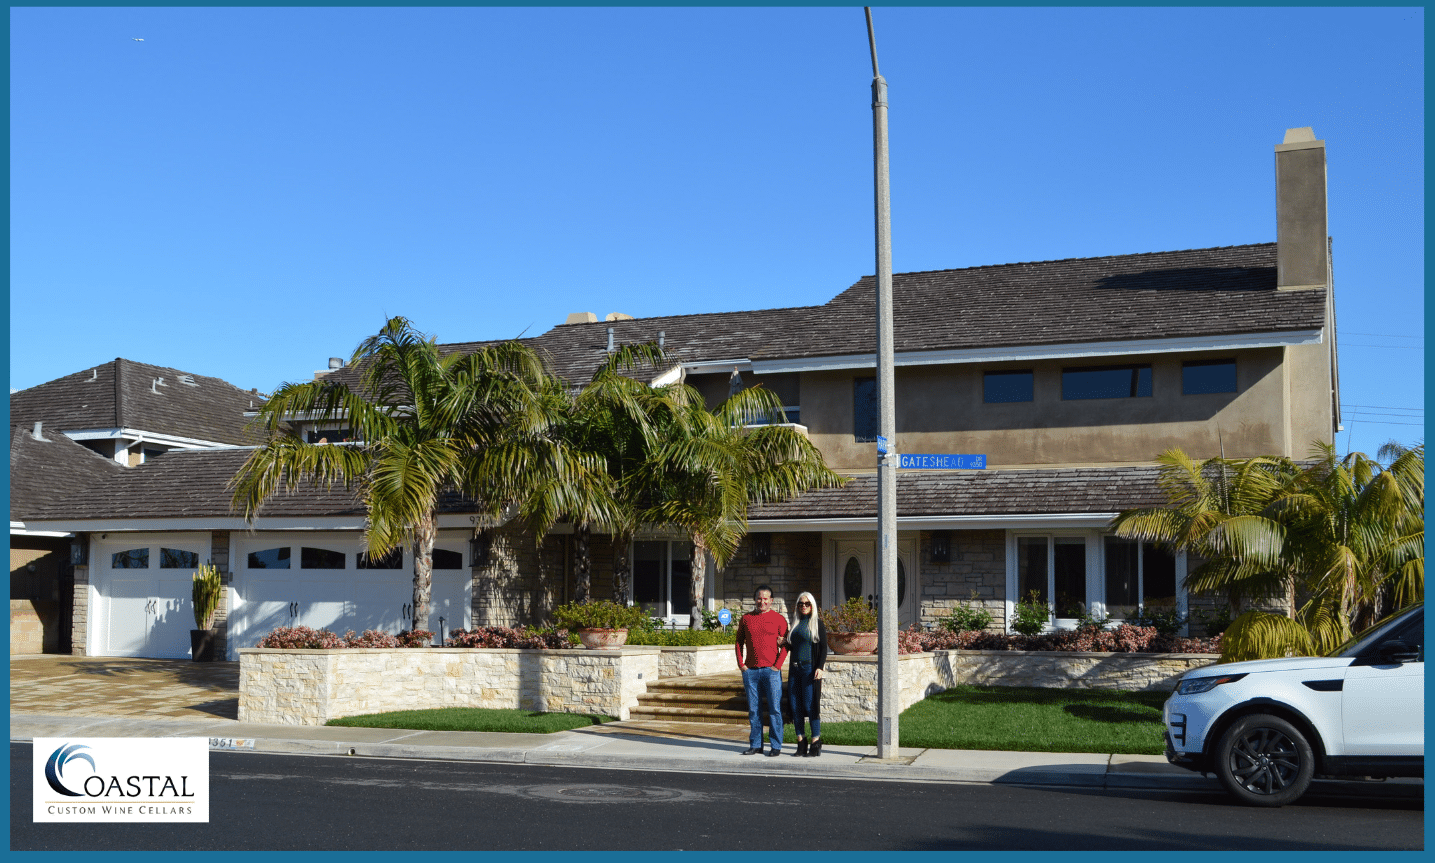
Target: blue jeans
(760,683)
(804,696)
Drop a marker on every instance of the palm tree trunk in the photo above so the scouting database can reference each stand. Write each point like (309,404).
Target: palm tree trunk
(425,533)
(700,567)
(583,563)
(622,569)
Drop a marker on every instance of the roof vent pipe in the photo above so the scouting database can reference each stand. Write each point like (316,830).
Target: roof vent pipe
(662,337)
(336,363)
(36,435)
(611,346)
(158,382)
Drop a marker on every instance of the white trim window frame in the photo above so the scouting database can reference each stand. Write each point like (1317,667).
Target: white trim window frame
(1094,561)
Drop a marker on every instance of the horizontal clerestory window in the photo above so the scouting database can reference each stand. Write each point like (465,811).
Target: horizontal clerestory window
(1208,376)
(998,387)
(1106,382)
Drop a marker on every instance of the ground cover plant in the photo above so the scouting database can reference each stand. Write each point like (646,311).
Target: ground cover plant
(1020,719)
(473,719)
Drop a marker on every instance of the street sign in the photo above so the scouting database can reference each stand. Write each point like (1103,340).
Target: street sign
(943,461)
(881,445)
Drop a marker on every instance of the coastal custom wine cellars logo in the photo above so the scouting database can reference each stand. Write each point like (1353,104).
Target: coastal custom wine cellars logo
(128,779)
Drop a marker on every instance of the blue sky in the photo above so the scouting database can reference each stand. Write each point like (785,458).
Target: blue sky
(248,192)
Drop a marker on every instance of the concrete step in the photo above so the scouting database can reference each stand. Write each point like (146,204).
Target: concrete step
(689,714)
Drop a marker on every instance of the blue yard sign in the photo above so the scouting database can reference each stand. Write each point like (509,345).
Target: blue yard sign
(944,461)
(724,616)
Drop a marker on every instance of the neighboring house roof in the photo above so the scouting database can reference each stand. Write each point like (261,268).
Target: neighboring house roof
(980,493)
(54,471)
(124,394)
(196,483)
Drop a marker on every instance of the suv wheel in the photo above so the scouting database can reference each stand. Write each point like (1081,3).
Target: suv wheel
(1263,760)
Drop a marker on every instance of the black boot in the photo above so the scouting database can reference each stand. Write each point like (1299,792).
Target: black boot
(816,749)
(801,748)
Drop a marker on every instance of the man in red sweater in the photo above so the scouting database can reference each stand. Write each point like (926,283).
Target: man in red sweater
(761,633)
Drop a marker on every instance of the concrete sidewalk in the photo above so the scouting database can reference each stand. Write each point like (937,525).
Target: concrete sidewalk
(665,746)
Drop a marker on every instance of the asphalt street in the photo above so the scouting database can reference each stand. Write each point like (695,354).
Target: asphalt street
(295,802)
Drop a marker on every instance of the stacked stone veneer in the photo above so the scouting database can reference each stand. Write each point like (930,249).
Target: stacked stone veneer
(310,687)
(794,566)
(693,661)
(849,683)
(975,576)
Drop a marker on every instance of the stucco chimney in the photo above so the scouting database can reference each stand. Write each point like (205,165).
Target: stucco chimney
(1302,232)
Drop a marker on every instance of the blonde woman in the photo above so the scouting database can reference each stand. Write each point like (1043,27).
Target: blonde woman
(807,649)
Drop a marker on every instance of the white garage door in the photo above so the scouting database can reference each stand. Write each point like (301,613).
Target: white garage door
(142,588)
(323,581)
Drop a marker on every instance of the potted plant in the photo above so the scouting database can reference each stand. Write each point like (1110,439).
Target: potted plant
(600,625)
(851,627)
(206,592)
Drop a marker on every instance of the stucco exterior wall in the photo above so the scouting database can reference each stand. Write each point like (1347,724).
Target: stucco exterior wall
(310,687)
(940,409)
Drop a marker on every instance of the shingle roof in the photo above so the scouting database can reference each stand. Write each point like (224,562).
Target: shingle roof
(195,484)
(1005,492)
(1197,292)
(123,394)
(53,471)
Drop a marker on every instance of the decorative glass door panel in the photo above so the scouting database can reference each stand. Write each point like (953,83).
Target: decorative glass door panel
(855,562)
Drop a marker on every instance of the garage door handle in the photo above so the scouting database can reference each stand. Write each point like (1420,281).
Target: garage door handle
(406,612)
(293,609)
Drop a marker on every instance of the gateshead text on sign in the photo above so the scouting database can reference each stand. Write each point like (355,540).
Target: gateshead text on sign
(948,461)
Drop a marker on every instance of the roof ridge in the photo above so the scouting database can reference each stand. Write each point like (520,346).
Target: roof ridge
(1063,261)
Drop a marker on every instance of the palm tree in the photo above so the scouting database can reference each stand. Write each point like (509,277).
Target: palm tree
(424,423)
(1356,533)
(1217,511)
(616,417)
(711,466)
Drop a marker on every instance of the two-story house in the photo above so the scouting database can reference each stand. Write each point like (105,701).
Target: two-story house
(1069,377)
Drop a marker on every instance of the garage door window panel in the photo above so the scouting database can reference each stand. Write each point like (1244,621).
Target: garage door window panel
(394,559)
(445,559)
(269,558)
(133,558)
(177,558)
(321,558)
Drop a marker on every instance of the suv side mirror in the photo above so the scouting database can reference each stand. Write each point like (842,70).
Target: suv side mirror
(1398,651)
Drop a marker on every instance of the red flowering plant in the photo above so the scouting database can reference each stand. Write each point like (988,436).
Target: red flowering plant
(301,638)
(370,638)
(414,638)
(506,636)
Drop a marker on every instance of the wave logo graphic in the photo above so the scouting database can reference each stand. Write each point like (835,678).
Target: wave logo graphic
(55,766)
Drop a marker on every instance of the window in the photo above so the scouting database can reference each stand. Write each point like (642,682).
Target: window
(270,558)
(1138,575)
(320,558)
(1000,387)
(1055,568)
(1208,376)
(445,559)
(394,559)
(173,558)
(134,558)
(1106,382)
(662,578)
(864,410)
(328,435)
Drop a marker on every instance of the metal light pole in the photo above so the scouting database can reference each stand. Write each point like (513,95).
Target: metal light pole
(888,688)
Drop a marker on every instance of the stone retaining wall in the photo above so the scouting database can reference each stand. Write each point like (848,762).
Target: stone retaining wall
(310,687)
(694,661)
(849,683)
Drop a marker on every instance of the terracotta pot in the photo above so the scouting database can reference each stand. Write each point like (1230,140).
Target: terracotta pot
(603,639)
(852,643)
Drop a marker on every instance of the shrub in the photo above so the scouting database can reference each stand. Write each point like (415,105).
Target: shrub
(1215,622)
(1260,635)
(1166,621)
(1030,615)
(600,614)
(682,637)
(710,618)
(909,640)
(370,638)
(506,636)
(965,618)
(301,638)
(1122,639)
(416,638)
(855,615)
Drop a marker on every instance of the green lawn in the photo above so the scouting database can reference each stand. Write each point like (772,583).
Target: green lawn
(964,717)
(1019,719)
(473,719)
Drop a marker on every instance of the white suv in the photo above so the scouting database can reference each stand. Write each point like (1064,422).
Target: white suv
(1267,727)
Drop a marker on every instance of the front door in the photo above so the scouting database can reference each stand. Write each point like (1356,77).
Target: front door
(855,574)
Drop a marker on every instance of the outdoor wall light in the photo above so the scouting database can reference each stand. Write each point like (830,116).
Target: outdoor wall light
(761,548)
(941,546)
(478,550)
(79,553)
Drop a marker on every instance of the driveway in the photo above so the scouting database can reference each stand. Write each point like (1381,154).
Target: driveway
(56,685)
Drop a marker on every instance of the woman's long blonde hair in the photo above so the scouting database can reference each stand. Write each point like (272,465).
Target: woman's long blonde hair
(797,614)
